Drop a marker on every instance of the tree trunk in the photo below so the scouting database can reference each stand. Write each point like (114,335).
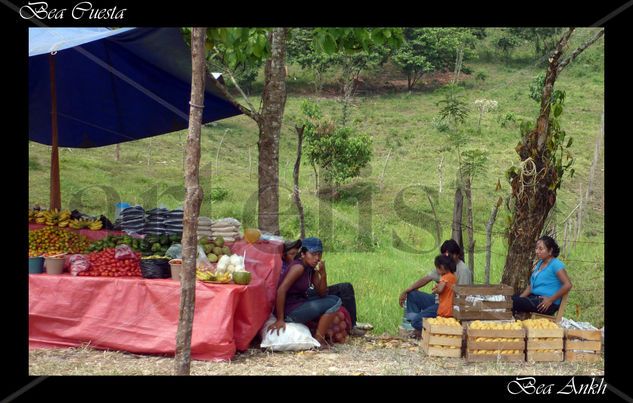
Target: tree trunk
(316,179)
(470,231)
(117,152)
(273,103)
(532,203)
(295,175)
(193,199)
(457,217)
(489,224)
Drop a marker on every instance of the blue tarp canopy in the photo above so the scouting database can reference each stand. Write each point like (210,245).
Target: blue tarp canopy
(113,86)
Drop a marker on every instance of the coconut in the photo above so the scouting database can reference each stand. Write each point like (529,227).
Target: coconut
(241,277)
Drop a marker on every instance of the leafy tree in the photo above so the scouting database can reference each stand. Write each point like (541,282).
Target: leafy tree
(302,50)
(544,39)
(454,108)
(252,45)
(506,44)
(544,161)
(431,49)
(338,151)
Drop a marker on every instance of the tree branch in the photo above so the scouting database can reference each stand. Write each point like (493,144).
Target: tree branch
(251,113)
(240,90)
(578,51)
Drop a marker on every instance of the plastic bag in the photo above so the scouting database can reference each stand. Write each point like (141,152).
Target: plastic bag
(155,268)
(202,263)
(123,251)
(296,337)
(78,263)
(175,251)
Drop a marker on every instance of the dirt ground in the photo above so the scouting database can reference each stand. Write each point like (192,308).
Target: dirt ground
(368,355)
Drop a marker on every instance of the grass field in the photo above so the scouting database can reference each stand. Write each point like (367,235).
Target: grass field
(386,241)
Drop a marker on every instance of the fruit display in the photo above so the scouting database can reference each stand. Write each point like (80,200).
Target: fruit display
(539,324)
(105,264)
(149,245)
(443,321)
(491,325)
(55,239)
(213,276)
(63,219)
(82,223)
(214,249)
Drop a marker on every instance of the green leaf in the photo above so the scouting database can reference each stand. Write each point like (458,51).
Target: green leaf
(570,141)
(557,110)
(329,44)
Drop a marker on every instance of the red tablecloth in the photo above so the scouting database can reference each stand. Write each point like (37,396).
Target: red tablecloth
(141,315)
(90,234)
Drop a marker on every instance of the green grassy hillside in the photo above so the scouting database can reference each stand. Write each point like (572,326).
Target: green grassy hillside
(382,246)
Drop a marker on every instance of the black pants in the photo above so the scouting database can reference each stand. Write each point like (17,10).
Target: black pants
(530,304)
(345,291)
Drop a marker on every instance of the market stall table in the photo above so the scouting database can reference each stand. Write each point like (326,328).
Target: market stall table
(141,315)
(93,235)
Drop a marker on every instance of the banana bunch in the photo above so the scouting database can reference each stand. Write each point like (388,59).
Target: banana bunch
(443,321)
(85,223)
(547,351)
(539,324)
(50,217)
(497,352)
(210,276)
(491,325)
(498,339)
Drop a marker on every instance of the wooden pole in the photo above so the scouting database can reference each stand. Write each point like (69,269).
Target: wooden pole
(55,195)
(193,199)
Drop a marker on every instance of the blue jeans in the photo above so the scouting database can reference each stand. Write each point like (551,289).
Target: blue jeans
(419,305)
(313,308)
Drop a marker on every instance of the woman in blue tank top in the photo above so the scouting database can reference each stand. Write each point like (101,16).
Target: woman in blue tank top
(548,281)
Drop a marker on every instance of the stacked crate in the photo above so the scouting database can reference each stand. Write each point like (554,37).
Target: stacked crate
(495,341)
(583,345)
(544,340)
(483,302)
(442,337)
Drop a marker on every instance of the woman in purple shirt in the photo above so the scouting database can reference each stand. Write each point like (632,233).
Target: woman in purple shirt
(548,281)
(302,293)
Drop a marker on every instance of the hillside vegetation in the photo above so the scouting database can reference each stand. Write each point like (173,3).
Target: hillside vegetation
(386,241)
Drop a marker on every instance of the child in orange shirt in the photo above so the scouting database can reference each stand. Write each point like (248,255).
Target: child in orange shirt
(445,267)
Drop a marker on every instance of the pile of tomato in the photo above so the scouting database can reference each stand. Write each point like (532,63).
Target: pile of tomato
(105,264)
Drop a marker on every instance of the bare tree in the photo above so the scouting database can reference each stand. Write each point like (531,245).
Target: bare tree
(193,199)
(295,174)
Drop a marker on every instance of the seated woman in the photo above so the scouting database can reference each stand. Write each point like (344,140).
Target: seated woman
(345,291)
(548,282)
(302,293)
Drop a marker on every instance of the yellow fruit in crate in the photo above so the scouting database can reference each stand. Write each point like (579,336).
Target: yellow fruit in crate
(252,235)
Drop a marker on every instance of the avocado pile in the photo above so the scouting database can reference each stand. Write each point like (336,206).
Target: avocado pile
(214,249)
(148,246)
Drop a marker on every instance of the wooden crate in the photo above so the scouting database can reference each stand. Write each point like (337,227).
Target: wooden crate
(583,345)
(545,339)
(482,310)
(441,340)
(472,344)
